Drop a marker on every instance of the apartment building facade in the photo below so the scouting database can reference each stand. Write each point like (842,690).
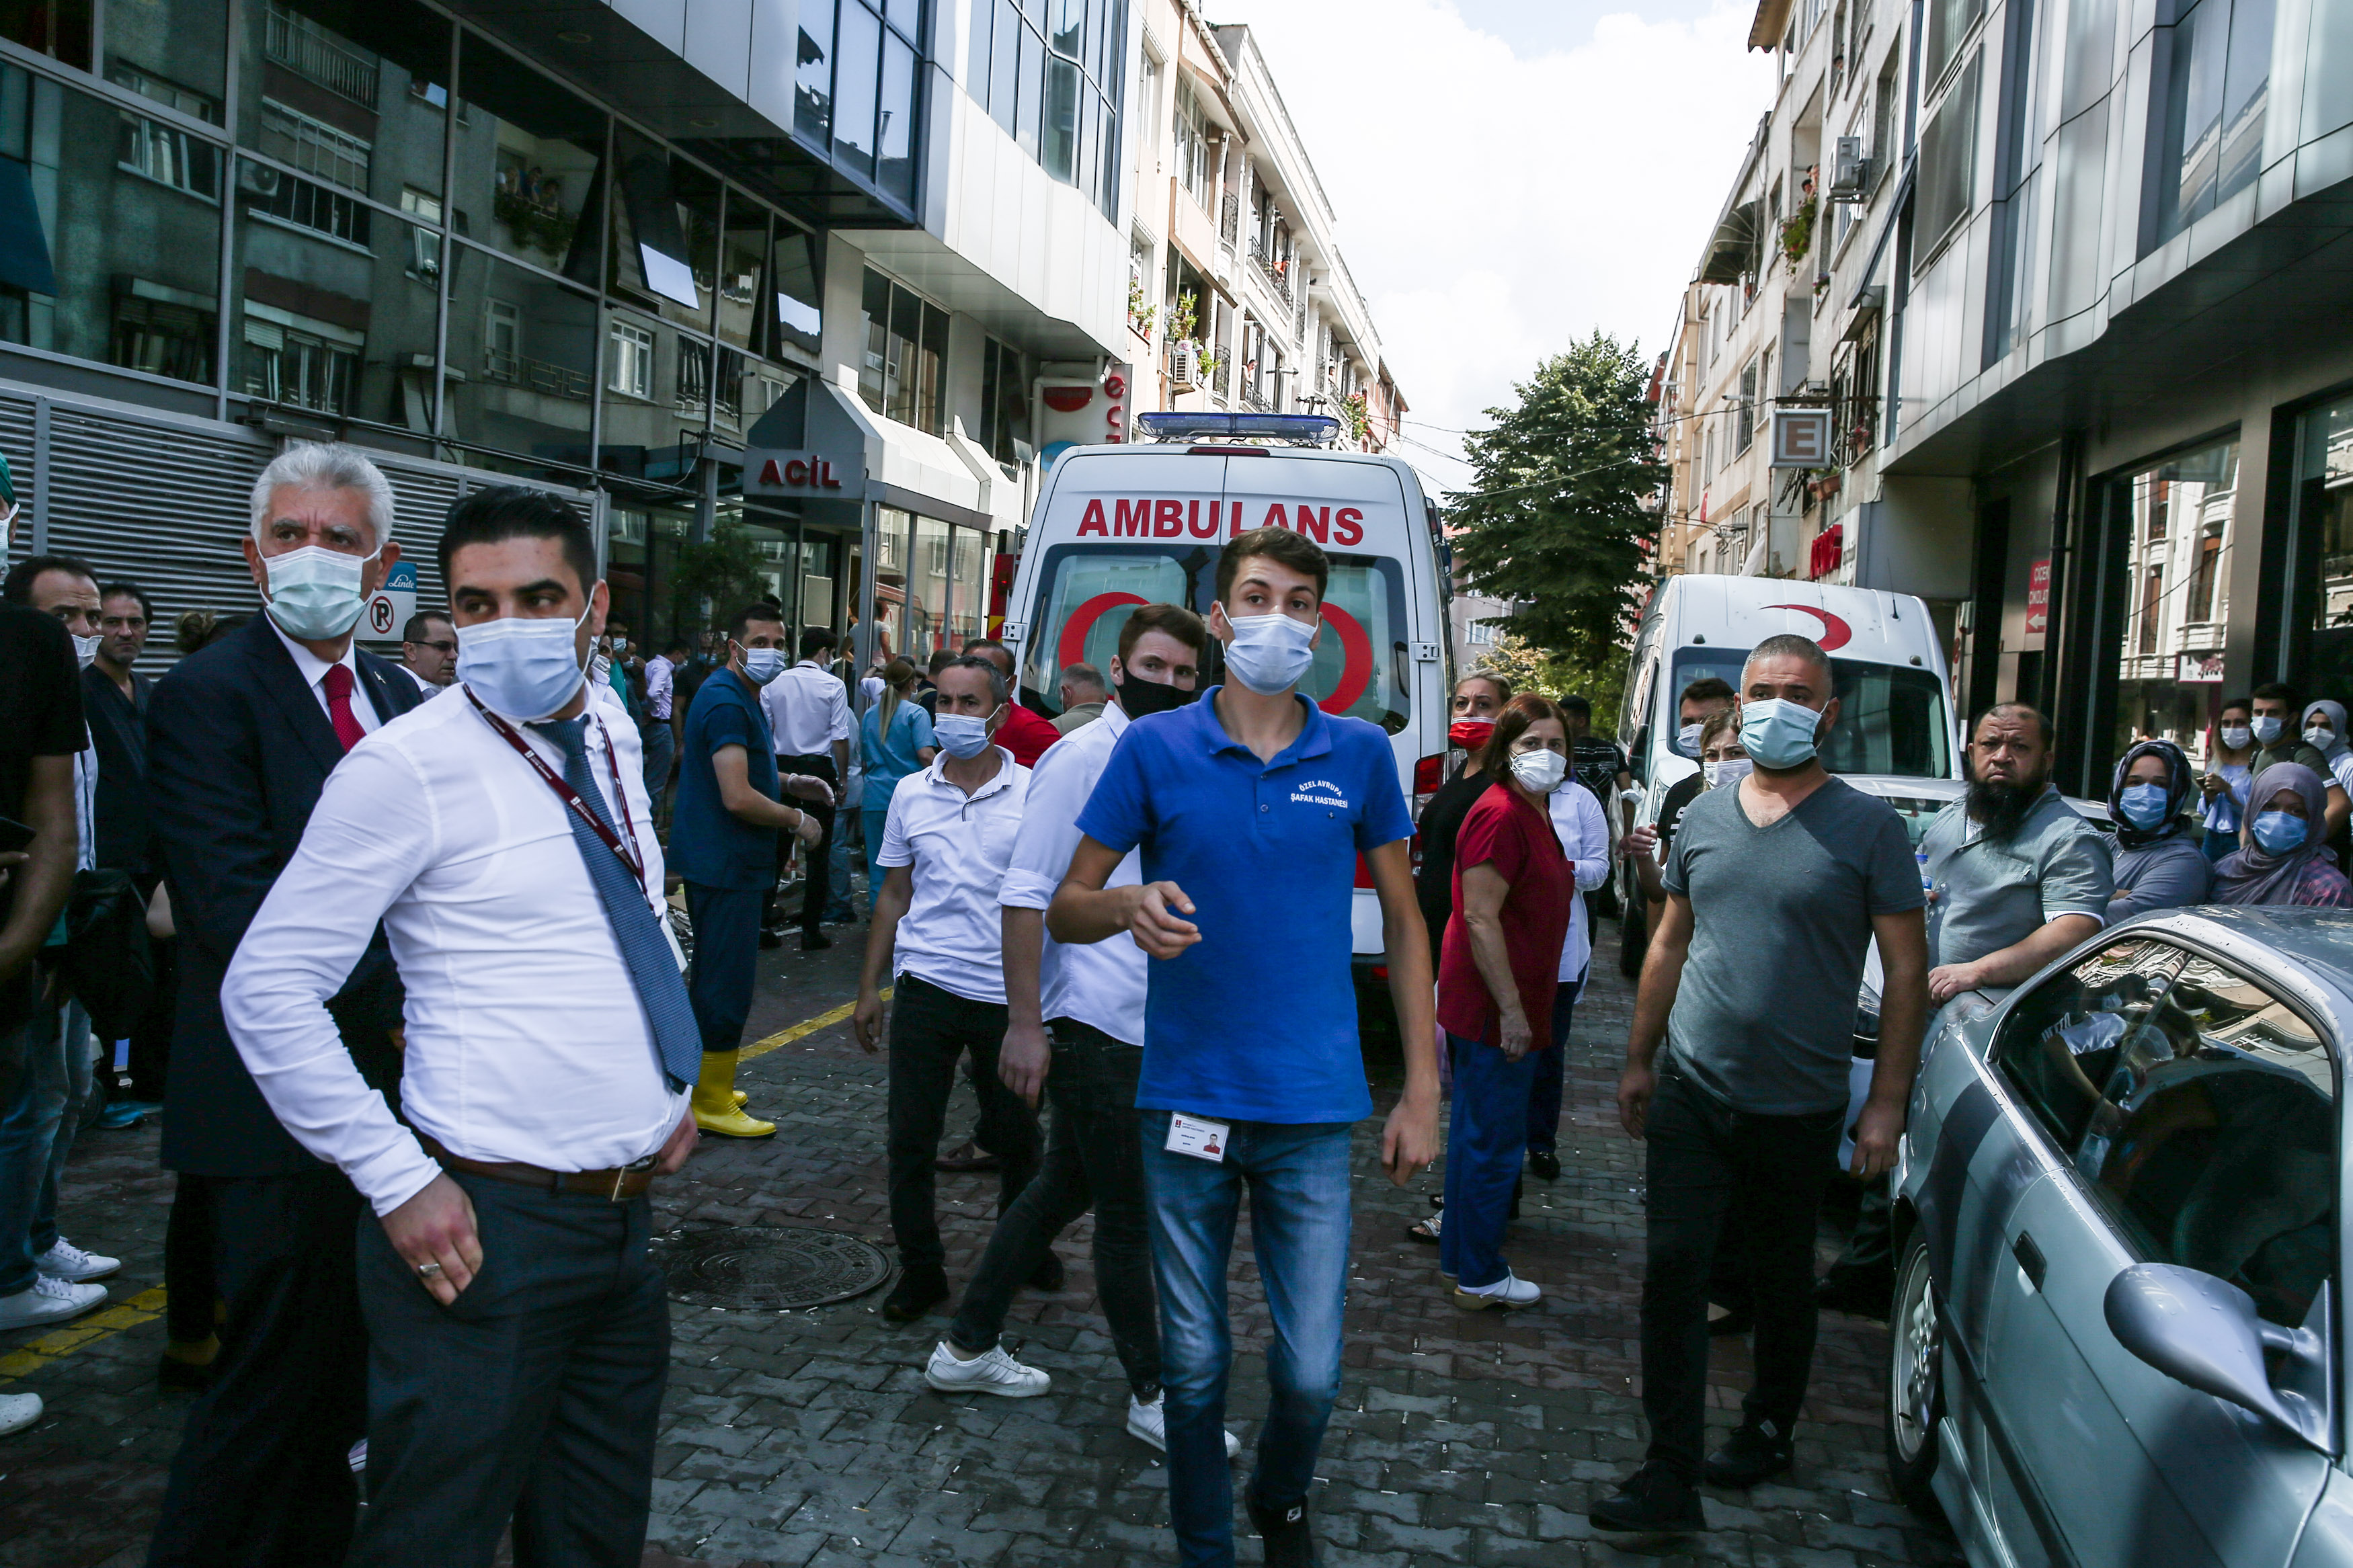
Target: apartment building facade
(626,253)
(1238,298)
(2093,389)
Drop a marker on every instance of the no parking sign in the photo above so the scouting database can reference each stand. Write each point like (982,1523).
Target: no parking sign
(389,608)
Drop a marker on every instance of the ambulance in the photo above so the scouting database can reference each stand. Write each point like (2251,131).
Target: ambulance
(1142,523)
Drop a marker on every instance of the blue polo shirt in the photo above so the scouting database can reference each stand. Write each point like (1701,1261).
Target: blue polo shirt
(709,845)
(1257,1021)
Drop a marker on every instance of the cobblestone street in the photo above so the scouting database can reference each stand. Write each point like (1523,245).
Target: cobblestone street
(809,1438)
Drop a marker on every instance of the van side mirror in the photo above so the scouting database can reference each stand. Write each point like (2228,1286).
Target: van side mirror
(2205,1333)
(1638,756)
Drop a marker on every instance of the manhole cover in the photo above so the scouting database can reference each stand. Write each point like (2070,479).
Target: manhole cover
(768,1266)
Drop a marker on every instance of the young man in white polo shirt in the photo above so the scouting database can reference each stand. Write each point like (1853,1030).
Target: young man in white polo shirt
(1089,1001)
(945,846)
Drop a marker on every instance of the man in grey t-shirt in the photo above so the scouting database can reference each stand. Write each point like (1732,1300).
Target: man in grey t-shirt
(1775,891)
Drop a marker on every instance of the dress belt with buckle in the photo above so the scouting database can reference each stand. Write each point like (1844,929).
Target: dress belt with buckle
(615,1185)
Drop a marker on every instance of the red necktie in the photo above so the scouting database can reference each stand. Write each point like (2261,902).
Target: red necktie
(338,681)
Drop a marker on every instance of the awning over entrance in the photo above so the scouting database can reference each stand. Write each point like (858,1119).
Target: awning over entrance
(821,446)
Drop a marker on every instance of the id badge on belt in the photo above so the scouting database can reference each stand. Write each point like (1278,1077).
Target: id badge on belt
(1197,1136)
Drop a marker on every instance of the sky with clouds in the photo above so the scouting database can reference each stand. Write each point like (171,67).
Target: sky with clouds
(1509,174)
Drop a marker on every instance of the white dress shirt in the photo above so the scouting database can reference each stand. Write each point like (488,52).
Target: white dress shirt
(1097,983)
(1584,832)
(957,847)
(314,671)
(661,686)
(808,708)
(526,1039)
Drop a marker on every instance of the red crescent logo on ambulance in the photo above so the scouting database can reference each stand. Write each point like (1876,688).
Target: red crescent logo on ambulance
(1356,660)
(1836,633)
(1073,648)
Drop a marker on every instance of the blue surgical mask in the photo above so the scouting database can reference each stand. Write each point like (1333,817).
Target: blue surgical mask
(314,592)
(2267,728)
(2143,805)
(1270,653)
(1687,740)
(2277,832)
(1777,733)
(961,735)
(761,665)
(521,666)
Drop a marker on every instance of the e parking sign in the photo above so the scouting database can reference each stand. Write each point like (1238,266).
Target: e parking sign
(390,606)
(1801,437)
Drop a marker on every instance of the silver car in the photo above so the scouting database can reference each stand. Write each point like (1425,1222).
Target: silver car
(2120,1242)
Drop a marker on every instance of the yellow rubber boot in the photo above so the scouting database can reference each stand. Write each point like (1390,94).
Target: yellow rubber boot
(716,1108)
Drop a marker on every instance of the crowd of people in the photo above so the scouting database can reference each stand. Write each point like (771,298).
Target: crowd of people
(412,999)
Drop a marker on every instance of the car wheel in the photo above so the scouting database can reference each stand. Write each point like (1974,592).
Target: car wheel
(1633,938)
(1916,1393)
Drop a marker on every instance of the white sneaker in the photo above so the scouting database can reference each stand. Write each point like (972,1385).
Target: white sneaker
(70,1263)
(1150,1422)
(1510,1291)
(994,1372)
(18,1411)
(48,1301)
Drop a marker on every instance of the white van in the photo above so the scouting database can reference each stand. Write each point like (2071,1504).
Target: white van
(1115,527)
(1896,695)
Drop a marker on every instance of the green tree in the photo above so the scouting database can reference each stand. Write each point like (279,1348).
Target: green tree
(1555,518)
(1532,668)
(723,572)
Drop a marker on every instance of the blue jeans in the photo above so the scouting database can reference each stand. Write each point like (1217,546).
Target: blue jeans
(661,753)
(1544,1093)
(1298,1180)
(872,818)
(36,1134)
(1485,1137)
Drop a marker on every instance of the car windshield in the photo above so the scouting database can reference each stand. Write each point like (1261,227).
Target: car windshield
(1891,718)
(1364,664)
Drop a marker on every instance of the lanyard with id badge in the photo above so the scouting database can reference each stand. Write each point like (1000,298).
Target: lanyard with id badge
(1197,1136)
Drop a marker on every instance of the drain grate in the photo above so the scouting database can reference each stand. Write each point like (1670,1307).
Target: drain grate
(769,1266)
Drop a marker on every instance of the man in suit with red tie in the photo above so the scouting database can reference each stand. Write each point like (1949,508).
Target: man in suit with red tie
(241,737)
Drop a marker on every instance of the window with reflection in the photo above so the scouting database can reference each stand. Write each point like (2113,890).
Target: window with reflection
(530,164)
(522,359)
(326,321)
(58,28)
(2217,86)
(742,256)
(2176,518)
(927,589)
(119,257)
(665,232)
(349,95)
(2319,588)
(904,373)
(858,87)
(1050,75)
(1004,401)
(857,43)
(657,397)
(174,51)
(798,285)
(813,75)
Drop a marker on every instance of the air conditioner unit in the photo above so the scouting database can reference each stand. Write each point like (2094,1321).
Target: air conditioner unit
(258,179)
(1184,367)
(1850,171)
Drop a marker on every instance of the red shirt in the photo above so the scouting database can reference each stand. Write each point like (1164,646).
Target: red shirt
(1505,832)
(1026,735)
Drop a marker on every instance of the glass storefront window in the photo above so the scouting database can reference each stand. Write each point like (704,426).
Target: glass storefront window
(353,95)
(128,214)
(2319,587)
(530,159)
(820,574)
(2177,516)
(891,528)
(522,359)
(665,232)
(927,589)
(968,608)
(331,311)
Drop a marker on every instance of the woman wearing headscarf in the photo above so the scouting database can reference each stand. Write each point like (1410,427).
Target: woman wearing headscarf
(2325,731)
(2157,867)
(2283,859)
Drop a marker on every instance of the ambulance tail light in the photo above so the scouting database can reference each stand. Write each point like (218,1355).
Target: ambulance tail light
(1428,774)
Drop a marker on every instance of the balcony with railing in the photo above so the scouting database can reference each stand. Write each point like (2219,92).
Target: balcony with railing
(315,54)
(1276,268)
(1230,217)
(538,375)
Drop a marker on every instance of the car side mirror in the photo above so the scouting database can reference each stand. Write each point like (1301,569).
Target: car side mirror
(2205,1333)
(1638,756)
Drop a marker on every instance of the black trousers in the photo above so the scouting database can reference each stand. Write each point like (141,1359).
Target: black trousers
(930,1028)
(817,887)
(151,1036)
(1705,1159)
(533,1397)
(190,1289)
(263,1476)
(1094,1159)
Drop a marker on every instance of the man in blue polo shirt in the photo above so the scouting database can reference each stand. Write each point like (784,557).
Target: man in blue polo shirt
(1251,809)
(723,842)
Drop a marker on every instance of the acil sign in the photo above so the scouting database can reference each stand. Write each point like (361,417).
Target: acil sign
(794,471)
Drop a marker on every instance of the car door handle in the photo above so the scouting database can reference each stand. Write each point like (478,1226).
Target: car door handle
(2030,1258)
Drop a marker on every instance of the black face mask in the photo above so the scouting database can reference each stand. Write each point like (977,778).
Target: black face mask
(1140,697)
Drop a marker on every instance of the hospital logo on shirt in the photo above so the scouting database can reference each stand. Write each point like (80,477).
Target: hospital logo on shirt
(1321,792)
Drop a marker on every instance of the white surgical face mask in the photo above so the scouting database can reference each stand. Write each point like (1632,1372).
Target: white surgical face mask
(1270,653)
(1539,772)
(315,593)
(521,666)
(1723,771)
(964,736)
(85,650)
(2319,738)
(1687,740)
(2236,736)
(2267,728)
(761,665)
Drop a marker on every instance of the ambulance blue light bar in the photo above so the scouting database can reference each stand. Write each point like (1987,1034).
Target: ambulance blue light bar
(1291,429)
